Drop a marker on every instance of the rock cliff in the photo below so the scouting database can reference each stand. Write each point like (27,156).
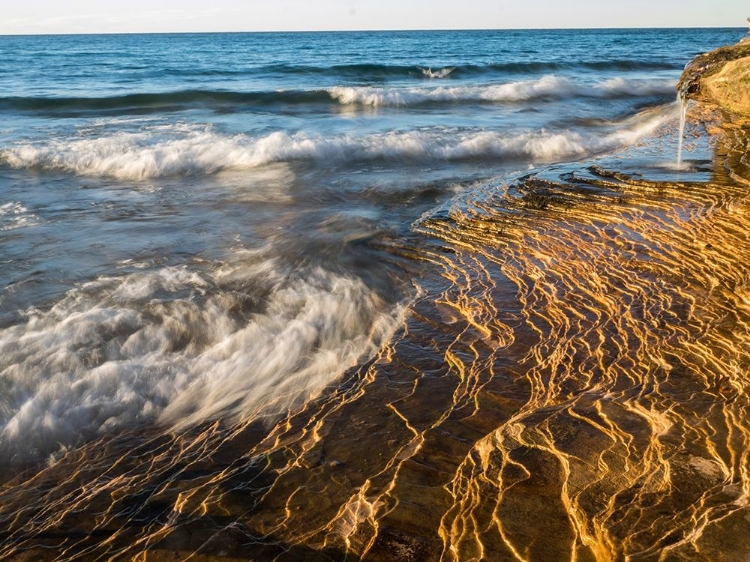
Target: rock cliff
(721,78)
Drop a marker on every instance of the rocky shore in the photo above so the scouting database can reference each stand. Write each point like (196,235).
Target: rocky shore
(719,84)
(721,78)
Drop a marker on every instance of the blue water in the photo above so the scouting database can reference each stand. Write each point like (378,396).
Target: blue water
(192,225)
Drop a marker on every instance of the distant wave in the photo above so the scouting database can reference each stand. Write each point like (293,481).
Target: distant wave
(438,73)
(195,150)
(158,102)
(544,87)
(365,71)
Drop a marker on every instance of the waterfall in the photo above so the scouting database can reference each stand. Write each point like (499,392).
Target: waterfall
(682,102)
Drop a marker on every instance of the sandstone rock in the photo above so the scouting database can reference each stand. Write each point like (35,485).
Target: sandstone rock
(721,78)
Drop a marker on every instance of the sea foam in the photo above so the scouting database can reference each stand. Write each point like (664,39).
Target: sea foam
(15,215)
(168,346)
(437,73)
(545,87)
(549,86)
(200,150)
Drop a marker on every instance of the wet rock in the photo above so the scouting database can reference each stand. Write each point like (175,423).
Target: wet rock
(721,78)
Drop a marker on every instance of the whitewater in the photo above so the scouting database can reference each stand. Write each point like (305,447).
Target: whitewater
(393,295)
(194,239)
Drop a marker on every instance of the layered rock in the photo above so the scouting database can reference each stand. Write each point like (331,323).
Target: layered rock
(721,78)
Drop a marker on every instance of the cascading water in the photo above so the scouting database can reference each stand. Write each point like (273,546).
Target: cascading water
(682,103)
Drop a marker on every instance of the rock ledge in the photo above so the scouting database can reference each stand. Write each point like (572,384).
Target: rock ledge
(720,78)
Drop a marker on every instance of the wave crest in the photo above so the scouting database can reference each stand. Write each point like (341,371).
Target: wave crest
(549,86)
(439,73)
(146,155)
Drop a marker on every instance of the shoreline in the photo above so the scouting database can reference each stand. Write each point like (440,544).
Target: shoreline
(718,85)
(570,383)
(720,78)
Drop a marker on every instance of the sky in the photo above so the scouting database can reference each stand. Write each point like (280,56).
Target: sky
(133,16)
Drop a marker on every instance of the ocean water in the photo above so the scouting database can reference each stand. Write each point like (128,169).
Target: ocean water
(208,228)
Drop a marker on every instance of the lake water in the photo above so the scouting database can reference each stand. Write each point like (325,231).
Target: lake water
(206,238)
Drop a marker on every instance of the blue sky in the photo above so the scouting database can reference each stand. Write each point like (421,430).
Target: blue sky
(95,16)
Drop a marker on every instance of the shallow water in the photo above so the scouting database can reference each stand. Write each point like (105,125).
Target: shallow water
(315,296)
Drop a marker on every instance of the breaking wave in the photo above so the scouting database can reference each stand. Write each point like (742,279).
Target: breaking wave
(545,87)
(200,150)
(549,86)
(178,347)
(438,73)
(368,71)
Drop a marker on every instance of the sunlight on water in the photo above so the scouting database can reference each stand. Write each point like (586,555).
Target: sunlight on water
(577,356)
(414,296)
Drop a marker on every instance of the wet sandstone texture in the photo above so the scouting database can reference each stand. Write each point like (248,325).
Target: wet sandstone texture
(721,78)
(571,383)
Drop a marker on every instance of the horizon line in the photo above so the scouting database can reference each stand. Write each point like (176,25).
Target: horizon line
(282,31)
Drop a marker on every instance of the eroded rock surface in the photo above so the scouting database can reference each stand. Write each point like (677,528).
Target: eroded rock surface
(721,78)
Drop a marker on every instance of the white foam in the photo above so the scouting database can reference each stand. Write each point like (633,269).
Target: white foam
(514,91)
(634,87)
(15,215)
(544,87)
(197,150)
(165,345)
(439,73)
(635,128)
